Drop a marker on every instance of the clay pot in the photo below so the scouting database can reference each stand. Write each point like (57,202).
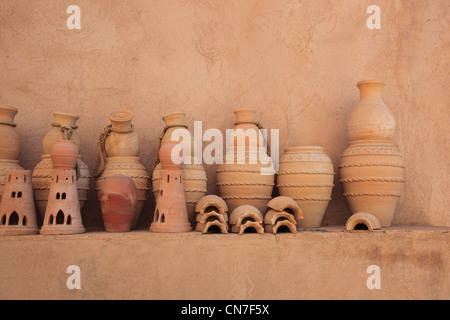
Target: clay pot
(372,176)
(118,203)
(371,167)
(63,128)
(9,138)
(122,158)
(194,175)
(170,212)
(134,169)
(306,175)
(122,141)
(241,181)
(371,118)
(17,210)
(9,144)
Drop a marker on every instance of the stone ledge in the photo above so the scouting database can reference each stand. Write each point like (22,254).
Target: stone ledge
(324,263)
(142,233)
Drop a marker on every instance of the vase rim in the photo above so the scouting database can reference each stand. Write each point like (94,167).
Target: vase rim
(9,108)
(362,82)
(174,113)
(121,116)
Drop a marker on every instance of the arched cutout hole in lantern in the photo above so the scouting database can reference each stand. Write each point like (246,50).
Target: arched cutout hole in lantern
(60,217)
(13,219)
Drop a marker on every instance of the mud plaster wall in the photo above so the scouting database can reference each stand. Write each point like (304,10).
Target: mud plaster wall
(297,62)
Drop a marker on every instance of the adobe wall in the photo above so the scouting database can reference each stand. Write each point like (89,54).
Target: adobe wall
(297,62)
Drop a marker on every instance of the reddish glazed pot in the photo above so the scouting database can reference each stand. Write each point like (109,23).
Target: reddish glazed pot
(64,154)
(118,203)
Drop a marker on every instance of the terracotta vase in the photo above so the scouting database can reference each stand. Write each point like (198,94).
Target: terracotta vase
(17,210)
(306,175)
(371,118)
(9,144)
(240,177)
(62,214)
(118,203)
(170,212)
(372,176)
(122,158)
(63,128)
(194,175)
(122,140)
(371,168)
(9,138)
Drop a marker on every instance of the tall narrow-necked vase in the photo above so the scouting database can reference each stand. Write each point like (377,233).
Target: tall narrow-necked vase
(371,169)
(241,178)
(122,158)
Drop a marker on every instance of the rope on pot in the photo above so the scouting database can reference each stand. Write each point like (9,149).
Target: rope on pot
(7,123)
(66,129)
(100,164)
(67,133)
(260,127)
(161,136)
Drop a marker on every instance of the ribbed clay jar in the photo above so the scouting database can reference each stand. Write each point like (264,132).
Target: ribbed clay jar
(194,175)
(9,143)
(122,158)
(306,175)
(371,168)
(63,128)
(371,172)
(243,180)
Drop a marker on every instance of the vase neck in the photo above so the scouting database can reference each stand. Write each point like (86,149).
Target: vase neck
(245,115)
(122,126)
(370,89)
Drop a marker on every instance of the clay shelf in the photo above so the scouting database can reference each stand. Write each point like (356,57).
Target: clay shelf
(336,230)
